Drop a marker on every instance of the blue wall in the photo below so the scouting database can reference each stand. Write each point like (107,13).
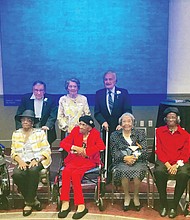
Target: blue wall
(53,40)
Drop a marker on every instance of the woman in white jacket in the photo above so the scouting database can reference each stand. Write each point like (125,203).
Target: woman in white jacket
(31,151)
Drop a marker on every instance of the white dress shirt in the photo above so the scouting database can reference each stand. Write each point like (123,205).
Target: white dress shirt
(38,104)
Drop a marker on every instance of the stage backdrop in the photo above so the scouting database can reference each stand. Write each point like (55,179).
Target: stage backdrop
(54,40)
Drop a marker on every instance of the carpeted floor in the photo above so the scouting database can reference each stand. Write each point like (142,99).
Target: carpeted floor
(111,212)
(53,215)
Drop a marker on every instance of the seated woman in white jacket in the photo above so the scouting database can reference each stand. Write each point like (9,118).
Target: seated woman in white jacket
(31,151)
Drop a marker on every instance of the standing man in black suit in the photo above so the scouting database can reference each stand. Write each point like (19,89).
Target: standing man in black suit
(110,103)
(44,107)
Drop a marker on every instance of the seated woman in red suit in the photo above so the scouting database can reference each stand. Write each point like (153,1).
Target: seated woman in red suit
(83,145)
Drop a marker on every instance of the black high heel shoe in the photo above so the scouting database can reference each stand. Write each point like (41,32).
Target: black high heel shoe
(126,208)
(78,215)
(27,212)
(64,213)
(137,208)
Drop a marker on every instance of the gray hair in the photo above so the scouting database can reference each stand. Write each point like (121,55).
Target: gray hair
(75,80)
(110,72)
(127,114)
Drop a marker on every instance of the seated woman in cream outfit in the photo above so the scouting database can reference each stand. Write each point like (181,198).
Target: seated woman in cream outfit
(31,151)
(71,107)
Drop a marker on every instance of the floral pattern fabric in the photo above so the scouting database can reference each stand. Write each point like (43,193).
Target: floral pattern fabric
(70,110)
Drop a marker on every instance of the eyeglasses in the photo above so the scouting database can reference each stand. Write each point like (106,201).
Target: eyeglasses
(38,90)
(26,119)
(171,118)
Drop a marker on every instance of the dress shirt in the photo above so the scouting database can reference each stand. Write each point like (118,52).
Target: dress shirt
(38,104)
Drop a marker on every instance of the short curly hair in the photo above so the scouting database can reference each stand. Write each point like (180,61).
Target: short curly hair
(75,80)
(127,114)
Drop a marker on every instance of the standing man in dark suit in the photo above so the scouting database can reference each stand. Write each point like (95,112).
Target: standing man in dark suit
(110,103)
(44,107)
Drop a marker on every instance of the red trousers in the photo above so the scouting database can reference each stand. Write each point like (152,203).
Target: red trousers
(73,173)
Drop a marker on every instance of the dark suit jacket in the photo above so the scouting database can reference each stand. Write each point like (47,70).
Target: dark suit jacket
(122,104)
(48,117)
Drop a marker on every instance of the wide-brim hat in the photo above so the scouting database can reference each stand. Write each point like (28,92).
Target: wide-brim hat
(27,113)
(171,109)
(88,120)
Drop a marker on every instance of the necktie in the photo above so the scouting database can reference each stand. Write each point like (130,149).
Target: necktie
(110,101)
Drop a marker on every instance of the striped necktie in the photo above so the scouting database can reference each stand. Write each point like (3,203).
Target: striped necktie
(110,100)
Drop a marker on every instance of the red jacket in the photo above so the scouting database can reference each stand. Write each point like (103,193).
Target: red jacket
(94,144)
(172,147)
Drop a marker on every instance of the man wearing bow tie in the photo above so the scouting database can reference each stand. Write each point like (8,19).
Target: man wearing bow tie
(44,107)
(110,103)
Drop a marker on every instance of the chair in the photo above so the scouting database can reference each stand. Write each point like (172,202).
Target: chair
(4,181)
(94,176)
(115,190)
(187,202)
(45,181)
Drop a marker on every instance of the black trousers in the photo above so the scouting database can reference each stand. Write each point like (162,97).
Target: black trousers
(162,176)
(27,182)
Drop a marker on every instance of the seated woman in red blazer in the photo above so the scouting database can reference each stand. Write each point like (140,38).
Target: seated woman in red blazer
(83,145)
(172,150)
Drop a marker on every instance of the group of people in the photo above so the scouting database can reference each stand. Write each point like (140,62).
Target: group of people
(127,151)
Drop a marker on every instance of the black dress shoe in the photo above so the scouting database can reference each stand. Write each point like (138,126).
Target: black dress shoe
(63,214)
(163,212)
(126,208)
(27,212)
(78,215)
(172,213)
(38,207)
